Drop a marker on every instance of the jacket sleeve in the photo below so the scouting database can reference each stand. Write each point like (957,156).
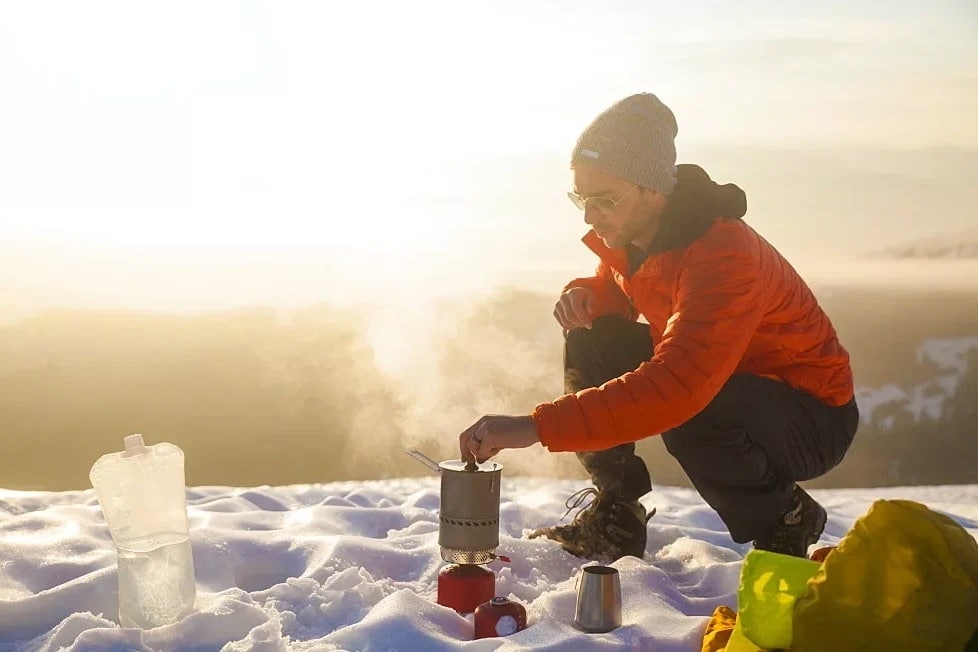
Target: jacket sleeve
(608,297)
(717,311)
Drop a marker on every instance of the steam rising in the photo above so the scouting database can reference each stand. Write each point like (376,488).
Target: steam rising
(453,362)
(264,397)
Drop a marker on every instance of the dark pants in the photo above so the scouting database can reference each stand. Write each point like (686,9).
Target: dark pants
(743,452)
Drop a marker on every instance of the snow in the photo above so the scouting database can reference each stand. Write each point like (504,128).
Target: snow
(949,359)
(949,354)
(870,399)
(354,566)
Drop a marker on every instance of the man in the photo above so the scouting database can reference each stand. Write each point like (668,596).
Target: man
(738,367)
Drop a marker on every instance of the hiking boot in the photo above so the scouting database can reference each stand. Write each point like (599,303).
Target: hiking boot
(606,528)
(798,527)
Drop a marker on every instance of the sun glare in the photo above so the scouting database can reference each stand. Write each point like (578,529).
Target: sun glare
(372,144)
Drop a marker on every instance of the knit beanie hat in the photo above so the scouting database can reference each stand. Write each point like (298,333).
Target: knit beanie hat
(633,139)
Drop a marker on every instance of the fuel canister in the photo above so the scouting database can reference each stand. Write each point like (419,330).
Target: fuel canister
(499,617)
(463,587)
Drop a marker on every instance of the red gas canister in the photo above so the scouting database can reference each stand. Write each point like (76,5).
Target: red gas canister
(499,617)
(463,587)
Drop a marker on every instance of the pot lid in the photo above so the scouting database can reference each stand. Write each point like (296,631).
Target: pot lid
(459,465)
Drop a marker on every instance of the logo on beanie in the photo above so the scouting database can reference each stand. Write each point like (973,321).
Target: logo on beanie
(590,153)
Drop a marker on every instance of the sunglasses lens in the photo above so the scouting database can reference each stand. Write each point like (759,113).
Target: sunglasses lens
(577,199)
(603,204)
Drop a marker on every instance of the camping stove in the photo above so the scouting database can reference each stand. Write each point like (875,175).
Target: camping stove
(468,530)
(468,533)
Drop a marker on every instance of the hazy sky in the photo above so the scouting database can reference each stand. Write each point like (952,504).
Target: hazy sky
(297,148)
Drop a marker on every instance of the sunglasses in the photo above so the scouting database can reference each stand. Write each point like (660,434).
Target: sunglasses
(604,205)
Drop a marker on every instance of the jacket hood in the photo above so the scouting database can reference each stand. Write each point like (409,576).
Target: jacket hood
(693,205)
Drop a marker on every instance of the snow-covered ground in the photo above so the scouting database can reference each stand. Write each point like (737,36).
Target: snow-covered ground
(354,566)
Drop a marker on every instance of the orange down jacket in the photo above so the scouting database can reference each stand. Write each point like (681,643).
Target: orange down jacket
(727,302)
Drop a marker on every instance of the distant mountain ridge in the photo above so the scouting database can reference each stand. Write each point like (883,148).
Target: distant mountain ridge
(944,246)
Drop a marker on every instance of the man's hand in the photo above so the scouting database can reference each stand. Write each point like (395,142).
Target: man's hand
(494,432)
(573,309)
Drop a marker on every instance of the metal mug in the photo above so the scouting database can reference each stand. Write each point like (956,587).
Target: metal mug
(598,599)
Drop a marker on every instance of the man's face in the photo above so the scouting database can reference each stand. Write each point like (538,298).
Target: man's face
(632,215)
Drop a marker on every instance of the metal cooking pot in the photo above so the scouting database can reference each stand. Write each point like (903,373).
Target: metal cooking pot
(468,530)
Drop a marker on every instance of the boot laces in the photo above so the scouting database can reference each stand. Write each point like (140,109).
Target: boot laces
(583,501)
(587,499)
